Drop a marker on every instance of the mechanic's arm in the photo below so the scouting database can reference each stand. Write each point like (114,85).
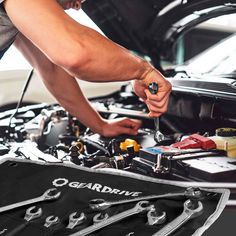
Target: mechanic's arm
(83,52)
(68,93)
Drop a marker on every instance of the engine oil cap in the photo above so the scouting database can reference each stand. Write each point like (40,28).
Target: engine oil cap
(226,132)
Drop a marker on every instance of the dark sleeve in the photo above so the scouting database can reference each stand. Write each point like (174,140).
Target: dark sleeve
(8,31)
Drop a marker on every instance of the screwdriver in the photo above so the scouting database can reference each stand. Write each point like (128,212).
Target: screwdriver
(158,136)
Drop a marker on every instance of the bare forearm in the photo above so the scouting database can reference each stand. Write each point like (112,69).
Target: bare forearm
(83,52)
(62,85)
(105,60)
(73,100)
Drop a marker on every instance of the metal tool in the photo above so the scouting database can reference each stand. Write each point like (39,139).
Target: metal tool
(75,219)
(187,214)
(51,220)
(140,207)
(101,204)
(100,217)
(129,234)
(30,214)
(154,218)
(3,231)
(33,213)
(158,136)
(49,195)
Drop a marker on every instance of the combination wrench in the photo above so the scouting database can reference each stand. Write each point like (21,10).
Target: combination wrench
(49,195)
(30,214)
(192,193)
(142,206)
(187,214)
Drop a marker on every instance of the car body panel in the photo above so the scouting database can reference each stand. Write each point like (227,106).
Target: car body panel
(152,27)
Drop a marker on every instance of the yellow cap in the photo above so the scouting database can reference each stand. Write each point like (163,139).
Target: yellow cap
(129,143)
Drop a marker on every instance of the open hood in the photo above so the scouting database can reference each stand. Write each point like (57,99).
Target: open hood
(151,27)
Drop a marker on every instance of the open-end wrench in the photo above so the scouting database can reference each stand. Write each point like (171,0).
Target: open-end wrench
(187,214)
(30,214)
(140,207)
(101,204)
(75,219)
(49,195)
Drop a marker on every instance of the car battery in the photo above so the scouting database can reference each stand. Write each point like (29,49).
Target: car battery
(167,160)
(153,153)
(212,169)
(143,166)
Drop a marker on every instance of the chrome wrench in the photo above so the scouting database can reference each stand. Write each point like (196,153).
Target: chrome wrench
(75,220)
(140,207)
(155,218)
(49,195)
(187,214)
(158,136)
(101,204)
(30,214)
(51,220)
(100,217)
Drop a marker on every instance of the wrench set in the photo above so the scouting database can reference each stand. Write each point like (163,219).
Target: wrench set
(192,208)
(81,202)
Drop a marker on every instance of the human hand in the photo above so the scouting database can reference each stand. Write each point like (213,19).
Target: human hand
(115,127)
(156,103)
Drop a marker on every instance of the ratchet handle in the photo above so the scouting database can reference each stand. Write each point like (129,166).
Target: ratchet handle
(153,88)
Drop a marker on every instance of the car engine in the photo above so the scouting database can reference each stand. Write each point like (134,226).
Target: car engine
(199,139)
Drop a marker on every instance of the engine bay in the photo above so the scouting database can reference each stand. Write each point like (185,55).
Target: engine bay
(199,138)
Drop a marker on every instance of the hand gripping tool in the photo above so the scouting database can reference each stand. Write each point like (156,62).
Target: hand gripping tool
(158,136)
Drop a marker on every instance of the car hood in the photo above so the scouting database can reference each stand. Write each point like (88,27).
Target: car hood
(151,27)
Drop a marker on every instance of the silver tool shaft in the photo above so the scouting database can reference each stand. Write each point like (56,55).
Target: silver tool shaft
(50,194)
(158,136)
(101,204)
